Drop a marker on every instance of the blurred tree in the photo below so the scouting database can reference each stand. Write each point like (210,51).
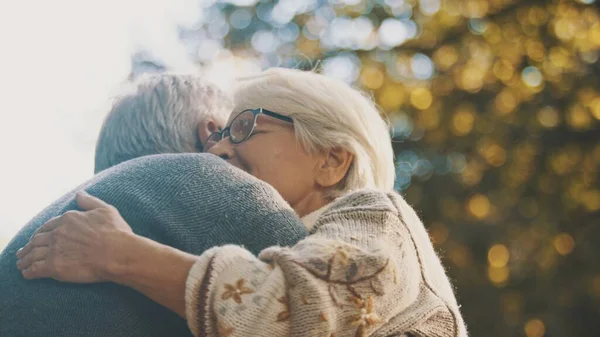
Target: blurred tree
(495,107)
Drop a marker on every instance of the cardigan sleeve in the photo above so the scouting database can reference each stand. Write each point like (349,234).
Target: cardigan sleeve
(348,278)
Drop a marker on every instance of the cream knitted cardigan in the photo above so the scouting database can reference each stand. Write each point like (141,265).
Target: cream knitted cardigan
(367,269)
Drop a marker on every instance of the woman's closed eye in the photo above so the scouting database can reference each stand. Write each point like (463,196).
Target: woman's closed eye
(257,132)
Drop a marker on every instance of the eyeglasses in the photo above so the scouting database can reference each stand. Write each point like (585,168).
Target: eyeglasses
(242,126)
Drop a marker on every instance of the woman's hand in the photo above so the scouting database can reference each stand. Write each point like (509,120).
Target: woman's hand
(77,246)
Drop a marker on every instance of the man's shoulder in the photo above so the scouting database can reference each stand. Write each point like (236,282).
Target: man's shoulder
(190,169)
(179,163)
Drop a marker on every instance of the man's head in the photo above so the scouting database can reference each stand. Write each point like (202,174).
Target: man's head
(161,113)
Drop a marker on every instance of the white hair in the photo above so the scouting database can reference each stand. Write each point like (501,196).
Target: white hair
(327,114)
(159,113)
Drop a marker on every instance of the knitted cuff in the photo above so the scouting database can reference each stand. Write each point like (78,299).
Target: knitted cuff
(196,286)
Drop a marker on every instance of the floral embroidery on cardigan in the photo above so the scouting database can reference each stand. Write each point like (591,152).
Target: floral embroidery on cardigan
(285,314)
(342,272)
(366,316)
(341,268)
(225,331)
(236,291)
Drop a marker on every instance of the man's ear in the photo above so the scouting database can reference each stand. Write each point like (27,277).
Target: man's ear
(333,167)
(206,127)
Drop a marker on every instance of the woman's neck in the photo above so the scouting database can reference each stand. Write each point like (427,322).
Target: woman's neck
(310,203)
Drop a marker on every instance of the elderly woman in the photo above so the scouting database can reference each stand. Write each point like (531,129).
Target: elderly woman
(366,269)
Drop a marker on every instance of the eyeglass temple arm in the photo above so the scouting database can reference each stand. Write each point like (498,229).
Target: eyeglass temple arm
(276,115)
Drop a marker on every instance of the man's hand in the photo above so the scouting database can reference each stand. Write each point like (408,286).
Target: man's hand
(76,246)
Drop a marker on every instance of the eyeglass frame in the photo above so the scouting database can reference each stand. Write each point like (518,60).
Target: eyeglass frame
(255,113)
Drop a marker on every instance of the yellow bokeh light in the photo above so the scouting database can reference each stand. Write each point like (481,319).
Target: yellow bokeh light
(565,161)
(473,173)
(594,34)
(498,276)
(421,98)
(586,96)
(590,14)
(535,50)
(372,78)
(498,256)
(479,206)
(578,118)
(564,243)
(391,97)
(537,15)
(530,30)
(560,57)
(595,108)
(564,29)
(495,155)
(471,78)
(535,328)
(475,8)
(591,200)
(492,33)
(511,32)
(445,57)
(548,117)
(506,101)
(503,70)
(463,120)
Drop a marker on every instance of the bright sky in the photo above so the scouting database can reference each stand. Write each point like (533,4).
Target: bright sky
(61,60)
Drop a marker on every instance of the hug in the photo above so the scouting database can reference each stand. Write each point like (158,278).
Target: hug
(288,225)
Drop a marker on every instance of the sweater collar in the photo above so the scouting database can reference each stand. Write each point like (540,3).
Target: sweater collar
(310,219)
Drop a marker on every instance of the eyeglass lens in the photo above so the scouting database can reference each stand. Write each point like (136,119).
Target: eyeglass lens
(240,129)
(242,126)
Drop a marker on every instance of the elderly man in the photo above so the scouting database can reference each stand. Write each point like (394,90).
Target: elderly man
(169,198)
(161,113)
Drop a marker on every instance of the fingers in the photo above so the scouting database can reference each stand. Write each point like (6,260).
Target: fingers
(49,226)
(35,263)
(38,240)
(37,269)
(36,254)
(88,202)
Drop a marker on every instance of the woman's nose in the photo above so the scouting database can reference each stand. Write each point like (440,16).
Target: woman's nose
(223,149)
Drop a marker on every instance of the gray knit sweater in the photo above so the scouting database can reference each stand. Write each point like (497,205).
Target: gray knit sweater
(188,201)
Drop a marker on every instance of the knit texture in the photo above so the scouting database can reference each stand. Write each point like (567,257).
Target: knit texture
(189,201)
(367,268)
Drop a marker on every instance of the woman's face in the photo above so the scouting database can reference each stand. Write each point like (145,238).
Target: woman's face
(272,154)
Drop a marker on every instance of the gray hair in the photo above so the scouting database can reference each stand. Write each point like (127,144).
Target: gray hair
(160,113)
(327,114)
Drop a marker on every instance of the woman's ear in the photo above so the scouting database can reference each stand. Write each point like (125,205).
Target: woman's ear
(333,167)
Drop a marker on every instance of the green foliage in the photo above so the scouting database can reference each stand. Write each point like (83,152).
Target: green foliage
(496,113)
